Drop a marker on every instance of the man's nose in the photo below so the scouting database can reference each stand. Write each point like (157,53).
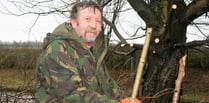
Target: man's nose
(93,24)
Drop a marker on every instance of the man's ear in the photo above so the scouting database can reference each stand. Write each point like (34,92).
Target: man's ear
(73,22)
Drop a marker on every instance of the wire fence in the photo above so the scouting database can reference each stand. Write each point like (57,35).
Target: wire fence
(7,96)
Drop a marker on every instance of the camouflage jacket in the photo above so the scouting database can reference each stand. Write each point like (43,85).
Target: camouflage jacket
(66,72)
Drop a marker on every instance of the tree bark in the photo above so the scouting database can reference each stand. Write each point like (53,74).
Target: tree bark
(169,20)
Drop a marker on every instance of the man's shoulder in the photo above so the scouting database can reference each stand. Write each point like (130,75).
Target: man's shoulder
(58,44)
(62,29)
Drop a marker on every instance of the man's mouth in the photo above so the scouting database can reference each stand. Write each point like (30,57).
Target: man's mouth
(91,33)
(90,44)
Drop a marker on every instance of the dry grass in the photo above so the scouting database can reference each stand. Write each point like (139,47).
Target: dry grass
(15,79)
(191,96)
(195,85)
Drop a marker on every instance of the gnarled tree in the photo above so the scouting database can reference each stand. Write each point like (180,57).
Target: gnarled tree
(169,20)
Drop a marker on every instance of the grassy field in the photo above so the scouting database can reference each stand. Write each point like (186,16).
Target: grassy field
(14,79)
(195,85)
(195,96)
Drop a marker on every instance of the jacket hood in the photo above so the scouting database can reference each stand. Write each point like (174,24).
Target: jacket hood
(65,31)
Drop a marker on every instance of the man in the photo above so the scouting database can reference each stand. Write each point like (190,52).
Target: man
(66,69)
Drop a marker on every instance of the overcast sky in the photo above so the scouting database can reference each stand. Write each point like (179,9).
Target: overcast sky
(17,28)
(14,28)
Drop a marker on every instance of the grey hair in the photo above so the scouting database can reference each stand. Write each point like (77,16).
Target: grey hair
(82,5)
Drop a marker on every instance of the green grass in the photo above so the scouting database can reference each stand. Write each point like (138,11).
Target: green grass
(192,96)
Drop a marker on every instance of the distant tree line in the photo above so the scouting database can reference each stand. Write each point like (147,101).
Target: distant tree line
(24,56)
(25,44)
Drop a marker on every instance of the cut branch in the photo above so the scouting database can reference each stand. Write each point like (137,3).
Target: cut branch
(141,63)
(180,77)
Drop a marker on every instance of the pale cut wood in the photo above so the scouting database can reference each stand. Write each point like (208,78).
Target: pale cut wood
(182,64)
(141,63)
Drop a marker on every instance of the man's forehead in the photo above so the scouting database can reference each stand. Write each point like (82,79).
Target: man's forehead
(90,9)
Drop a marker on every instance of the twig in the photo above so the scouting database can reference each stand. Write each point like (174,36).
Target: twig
(159,94)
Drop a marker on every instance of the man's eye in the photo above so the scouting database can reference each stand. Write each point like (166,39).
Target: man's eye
(98,21)
(88,19)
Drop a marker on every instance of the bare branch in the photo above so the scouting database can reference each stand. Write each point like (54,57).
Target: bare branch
(105,3)
(136,37)
(143,10)
(159,94)
(115,30)
(30,29)
(42,8)
(125,53)
(192,44)
(199,30)
(195,9)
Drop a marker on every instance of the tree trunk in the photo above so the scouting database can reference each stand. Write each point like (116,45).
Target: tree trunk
(163,57)
(169,27)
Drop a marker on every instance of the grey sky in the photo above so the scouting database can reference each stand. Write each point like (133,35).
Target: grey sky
(15,28)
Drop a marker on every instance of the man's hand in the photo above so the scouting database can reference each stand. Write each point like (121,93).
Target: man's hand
(130,100)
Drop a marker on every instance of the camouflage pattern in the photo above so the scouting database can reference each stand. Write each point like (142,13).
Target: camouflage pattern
(67,73)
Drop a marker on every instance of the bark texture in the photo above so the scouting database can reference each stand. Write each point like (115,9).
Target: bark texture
(169,20)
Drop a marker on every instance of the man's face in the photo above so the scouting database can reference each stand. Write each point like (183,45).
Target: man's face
(88,25)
